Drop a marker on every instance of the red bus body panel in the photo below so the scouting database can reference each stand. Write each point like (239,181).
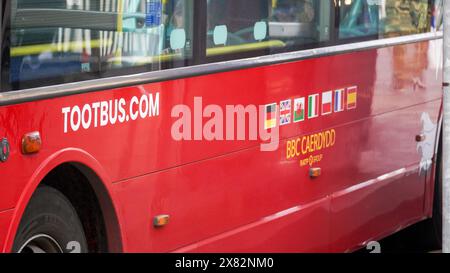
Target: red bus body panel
(228,196)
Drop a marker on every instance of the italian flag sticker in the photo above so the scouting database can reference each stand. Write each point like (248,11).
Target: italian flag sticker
(313,106)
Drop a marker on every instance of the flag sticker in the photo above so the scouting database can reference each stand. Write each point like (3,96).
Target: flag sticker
(270,116)
(327,103)
(285,112)
(299,110)
(313,106)
(339,100)
(352,94)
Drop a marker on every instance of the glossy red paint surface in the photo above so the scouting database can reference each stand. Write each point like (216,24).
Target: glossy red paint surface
(230,196)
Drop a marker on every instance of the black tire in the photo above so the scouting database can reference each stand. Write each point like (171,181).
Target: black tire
(51,224)
(435,223)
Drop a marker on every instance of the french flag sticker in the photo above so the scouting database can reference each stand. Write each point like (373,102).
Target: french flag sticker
(339,100)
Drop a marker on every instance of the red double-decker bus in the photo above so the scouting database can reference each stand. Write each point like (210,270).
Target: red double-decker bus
(217,125)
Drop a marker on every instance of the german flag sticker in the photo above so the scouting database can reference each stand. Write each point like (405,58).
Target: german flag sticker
(270,116)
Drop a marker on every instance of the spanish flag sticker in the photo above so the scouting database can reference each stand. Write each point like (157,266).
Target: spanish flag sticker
(352,95)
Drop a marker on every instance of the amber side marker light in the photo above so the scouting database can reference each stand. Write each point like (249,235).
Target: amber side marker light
(160,220)
(315,172)
(31,143)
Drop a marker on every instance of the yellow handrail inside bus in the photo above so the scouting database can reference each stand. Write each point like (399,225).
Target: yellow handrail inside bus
(118,52)
(244,47)
(142,60)
(77,45)
(59,47)
(120,15)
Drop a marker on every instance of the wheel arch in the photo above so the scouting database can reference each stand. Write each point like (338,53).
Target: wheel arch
(98,180)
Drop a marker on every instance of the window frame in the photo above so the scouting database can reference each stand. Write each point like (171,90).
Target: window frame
(199,67)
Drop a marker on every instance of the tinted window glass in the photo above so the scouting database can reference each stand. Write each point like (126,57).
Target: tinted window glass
(383,18)
(358,18)
(67,40)
(50,42)
(403,17)
(236,26)
(436,15)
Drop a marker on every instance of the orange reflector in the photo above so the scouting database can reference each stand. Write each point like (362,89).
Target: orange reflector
(31,143)
(315,172)
(161,220)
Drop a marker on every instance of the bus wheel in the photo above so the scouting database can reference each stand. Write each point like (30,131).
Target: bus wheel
(50,224)
(435,225)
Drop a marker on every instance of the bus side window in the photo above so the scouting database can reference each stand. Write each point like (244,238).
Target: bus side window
(265,26)
(437,15)
(405,17)
(88,39)
(299,22)
(358,18)
(383,18)
(232,22)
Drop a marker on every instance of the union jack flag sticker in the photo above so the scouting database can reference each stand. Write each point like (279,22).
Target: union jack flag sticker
(285,112)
